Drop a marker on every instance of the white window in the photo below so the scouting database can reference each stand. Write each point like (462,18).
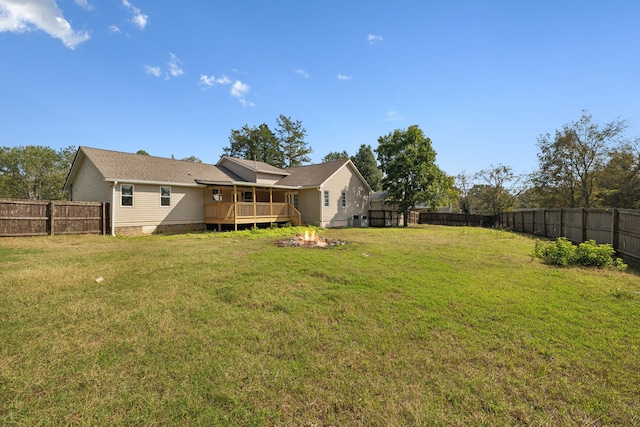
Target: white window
(216,195)
(294,200)
(126,195)
(343,199)
(326,198)
(165,196)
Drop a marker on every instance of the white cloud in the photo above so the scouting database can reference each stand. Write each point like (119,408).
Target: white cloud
(139,18)
(84,4)
(210,81)
(154,71)
(246,103)
(174,64)
(373,39)
(239,89)
(343,77)
(174,68)
(393,116)
(113,29)
(20,16)
(302,73)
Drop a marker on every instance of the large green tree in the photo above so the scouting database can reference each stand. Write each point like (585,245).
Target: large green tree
(463,183)
(365,161)
(619,181)
(256,143)
(34,172)
(570,162)
(334,156)
(497,189)
(291,137)
(411,176)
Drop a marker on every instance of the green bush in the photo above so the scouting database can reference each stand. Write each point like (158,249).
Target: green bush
(561,252)
(589,254)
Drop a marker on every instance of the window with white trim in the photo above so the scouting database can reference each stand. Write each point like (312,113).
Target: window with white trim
(326,198)
(343,199)
(216,195)
(165,196)
(126,195)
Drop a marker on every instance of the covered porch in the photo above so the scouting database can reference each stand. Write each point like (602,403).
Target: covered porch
(250,204)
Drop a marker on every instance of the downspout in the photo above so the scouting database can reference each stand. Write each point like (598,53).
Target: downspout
(113,209)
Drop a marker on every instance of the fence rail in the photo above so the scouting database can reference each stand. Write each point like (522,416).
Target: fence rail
(41,218)
(618,227)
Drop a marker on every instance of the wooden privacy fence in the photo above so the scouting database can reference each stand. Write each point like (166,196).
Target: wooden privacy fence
(382,218)
(618,227)
(445,218)
(41,218)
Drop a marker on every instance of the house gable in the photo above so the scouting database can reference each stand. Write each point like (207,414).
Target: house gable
(335,178)
(252,171)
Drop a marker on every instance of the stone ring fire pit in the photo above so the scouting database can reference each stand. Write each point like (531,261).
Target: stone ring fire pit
(310,240)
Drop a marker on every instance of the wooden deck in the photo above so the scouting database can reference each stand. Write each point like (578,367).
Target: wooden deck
(250,213)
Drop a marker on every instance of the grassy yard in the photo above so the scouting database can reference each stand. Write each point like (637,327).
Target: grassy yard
(420,326)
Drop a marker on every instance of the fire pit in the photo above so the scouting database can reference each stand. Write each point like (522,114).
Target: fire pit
(310,240)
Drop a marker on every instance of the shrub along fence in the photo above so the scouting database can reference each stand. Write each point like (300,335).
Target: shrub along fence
(41,218)
(618,227)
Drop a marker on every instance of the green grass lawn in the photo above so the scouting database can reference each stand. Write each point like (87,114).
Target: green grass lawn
(420,326)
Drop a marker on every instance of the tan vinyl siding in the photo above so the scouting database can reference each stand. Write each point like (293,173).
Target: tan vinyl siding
(267,178)
(186,206)
(344,180)
(242,172)
(309,202)
(89,185)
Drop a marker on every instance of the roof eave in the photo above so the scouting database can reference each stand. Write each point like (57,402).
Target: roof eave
(141,182)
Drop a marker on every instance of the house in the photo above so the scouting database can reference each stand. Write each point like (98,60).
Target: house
(158,195)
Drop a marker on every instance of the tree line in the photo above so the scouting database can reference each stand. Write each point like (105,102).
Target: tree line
(582,164)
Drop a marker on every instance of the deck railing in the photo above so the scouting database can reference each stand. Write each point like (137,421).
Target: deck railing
(247,213)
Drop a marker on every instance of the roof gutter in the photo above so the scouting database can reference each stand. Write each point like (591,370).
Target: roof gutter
(141,181)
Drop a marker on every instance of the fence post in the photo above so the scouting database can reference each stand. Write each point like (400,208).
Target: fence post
(560,233)
(584,225)
(614,229)
(104,218)
(51,218)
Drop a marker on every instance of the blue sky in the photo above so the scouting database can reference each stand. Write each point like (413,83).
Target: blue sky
(483,79)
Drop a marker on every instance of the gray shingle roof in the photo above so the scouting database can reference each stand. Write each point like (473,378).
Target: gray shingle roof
(115,165)
(119,166)
(307,176)
(256,166)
